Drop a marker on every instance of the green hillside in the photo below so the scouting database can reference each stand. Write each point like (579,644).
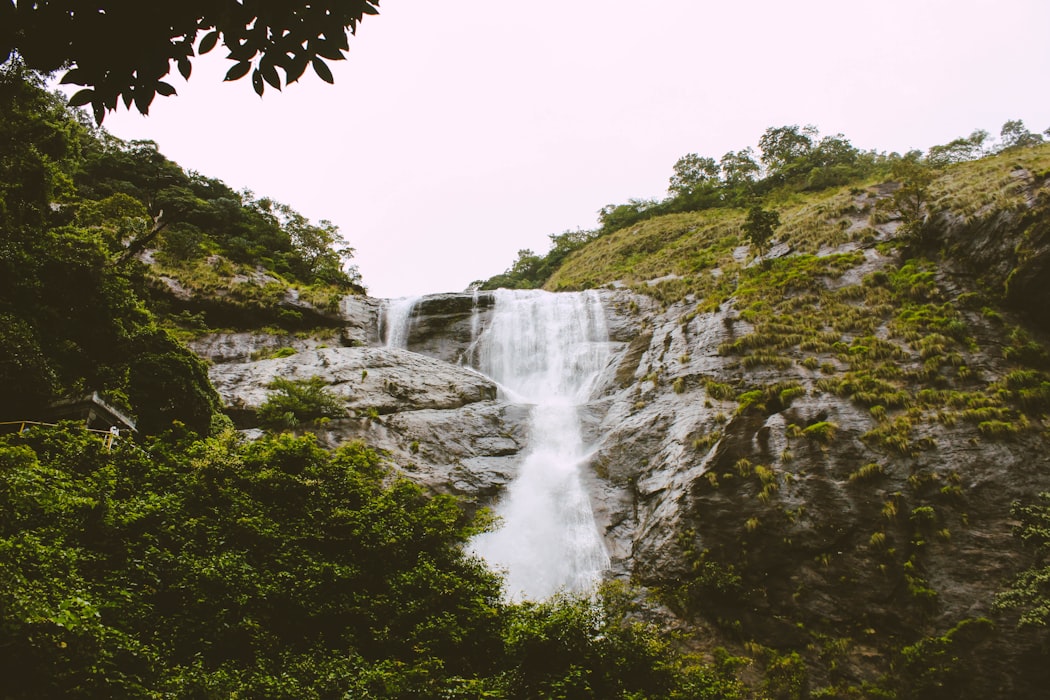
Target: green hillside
(656,249)
(188,561)
(84,214)
(699,253)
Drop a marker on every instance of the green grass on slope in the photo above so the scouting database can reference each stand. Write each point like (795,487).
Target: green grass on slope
(973,189)
(698,247)
(693,244)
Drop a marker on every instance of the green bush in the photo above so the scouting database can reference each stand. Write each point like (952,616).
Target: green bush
(293,401)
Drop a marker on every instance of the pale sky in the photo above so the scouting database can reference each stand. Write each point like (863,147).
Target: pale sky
(458,133)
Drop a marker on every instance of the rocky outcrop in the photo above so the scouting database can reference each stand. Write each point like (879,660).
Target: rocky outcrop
(360,316)
(439,422)
(787,521)
(1008,248)
(369,380)
(246,302)
(244,346)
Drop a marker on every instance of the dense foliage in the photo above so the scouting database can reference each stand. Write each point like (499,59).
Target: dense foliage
(1030,591)
(530,270)
(217,567)
(72,318)
(77,209)
(214,566)
(261,37)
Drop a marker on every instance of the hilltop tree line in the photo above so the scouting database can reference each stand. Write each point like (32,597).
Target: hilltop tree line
(789,159)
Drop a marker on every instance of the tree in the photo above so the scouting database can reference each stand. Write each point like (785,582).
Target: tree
(959,150)
(120,51)
(910,199)
(691,172)
(1014,134)
(319,250)
(740,167)
(784,145)
(760,226)
(831,151)
(614,216)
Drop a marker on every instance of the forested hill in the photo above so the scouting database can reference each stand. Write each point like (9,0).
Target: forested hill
(79,309)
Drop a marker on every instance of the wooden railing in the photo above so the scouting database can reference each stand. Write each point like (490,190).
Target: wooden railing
(110,436)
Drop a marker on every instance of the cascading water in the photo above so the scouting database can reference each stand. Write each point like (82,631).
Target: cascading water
(397,321)
(546,350)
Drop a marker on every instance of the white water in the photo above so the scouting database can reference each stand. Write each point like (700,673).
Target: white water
(546,350)
(397,321)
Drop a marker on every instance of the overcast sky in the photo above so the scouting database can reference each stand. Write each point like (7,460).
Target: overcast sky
(460,132)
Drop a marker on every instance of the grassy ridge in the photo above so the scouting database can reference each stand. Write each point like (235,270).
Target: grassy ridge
(691,245)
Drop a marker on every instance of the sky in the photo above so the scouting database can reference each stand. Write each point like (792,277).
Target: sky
(459,133)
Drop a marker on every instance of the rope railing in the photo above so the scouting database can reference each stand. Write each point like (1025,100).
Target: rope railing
(110,435)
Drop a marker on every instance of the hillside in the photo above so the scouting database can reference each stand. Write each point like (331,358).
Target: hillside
(817,465)
(111,252)
(687,247)
(816,470)
(824,454)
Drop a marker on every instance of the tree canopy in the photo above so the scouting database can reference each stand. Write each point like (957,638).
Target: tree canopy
(120,50)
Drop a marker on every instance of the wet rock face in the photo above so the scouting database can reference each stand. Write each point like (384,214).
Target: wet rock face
(360,316)
(988,246)
(444,326)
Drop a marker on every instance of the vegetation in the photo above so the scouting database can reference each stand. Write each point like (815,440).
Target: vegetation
(529,271)
(759,228)
(292,402)
(81,312)
(1030,591)
(819,185)
(205,568)
(60,35)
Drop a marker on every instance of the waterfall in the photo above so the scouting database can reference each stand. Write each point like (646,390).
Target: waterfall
(546,350)
(469,355)
(397,321)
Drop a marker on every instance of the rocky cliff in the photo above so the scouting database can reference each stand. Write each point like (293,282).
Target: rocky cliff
(818,458)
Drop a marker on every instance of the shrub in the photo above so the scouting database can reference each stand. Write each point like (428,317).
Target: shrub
(871,470)
(292,401)
(823,431)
